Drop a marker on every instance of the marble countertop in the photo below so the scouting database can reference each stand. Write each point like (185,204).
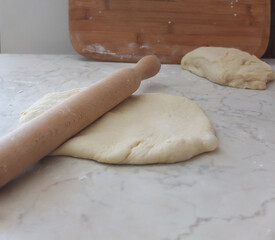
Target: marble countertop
(227,194)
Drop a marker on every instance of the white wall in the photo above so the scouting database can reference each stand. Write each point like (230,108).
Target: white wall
(34,26)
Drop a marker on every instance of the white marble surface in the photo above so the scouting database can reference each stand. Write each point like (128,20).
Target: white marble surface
(226,194)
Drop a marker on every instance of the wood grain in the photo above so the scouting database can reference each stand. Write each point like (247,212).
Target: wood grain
(120,30)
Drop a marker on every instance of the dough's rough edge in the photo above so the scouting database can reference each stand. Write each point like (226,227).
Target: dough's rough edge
(240,82)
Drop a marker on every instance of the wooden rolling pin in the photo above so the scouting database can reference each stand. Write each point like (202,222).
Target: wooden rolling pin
(26,145)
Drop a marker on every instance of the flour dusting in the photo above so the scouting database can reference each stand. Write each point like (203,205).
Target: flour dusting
(145,45)
(98,48)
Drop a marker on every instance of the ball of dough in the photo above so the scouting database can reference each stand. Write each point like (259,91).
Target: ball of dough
(228,66)
(144,129)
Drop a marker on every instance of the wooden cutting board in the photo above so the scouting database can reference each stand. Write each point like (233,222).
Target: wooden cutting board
(126,30)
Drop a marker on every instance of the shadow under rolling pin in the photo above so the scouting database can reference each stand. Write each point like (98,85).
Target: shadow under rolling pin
(29,143)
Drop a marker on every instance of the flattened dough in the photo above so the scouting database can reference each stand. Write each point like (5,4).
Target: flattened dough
(144,129)
(228,66)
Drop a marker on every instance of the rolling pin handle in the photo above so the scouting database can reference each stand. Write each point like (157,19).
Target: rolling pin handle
(147,67)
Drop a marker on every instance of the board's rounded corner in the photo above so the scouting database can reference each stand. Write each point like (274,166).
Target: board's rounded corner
(76,46)
(262,50)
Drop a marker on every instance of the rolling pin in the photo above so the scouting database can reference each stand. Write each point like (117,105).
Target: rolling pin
(26,145)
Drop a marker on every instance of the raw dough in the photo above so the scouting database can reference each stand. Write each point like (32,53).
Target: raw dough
(144,129)
(45,103)
(228,66)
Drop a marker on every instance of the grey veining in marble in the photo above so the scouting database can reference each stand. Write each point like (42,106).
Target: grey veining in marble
(226,194)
